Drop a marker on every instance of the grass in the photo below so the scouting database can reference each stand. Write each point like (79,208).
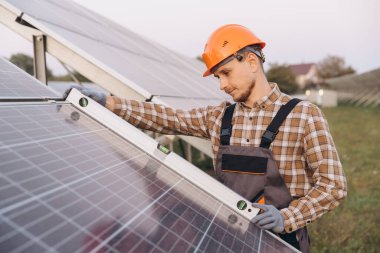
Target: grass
(355,225)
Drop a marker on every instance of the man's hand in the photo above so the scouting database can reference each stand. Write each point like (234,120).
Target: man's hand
(95,95)
(269,219)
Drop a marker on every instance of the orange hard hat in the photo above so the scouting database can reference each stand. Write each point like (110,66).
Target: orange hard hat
(226,41)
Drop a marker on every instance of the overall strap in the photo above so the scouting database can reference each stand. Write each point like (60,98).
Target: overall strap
(226,129)
(272,130)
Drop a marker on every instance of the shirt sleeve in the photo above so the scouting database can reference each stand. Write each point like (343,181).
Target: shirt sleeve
(161,119)
(329,182)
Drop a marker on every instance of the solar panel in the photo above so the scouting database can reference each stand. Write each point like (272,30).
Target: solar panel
(16,83)
(118,59)
(69,183)
(138,62)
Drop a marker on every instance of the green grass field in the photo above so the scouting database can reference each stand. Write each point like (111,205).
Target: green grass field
(355,225)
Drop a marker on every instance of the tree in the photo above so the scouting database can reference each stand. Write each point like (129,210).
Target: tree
(81,77)
(333,66)
(283,76)
(25,62)
(69,78)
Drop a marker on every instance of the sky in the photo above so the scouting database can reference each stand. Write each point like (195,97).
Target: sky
(296,31)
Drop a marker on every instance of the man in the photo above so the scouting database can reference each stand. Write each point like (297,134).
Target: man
(269,148)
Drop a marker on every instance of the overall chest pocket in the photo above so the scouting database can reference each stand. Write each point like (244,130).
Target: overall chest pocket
(254,165)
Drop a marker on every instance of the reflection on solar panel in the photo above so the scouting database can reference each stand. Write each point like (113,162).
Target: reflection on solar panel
(70,184)
(19,84)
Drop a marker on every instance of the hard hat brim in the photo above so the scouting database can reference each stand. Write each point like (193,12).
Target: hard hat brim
(207,73)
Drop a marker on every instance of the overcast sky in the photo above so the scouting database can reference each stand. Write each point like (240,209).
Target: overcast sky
(296,31)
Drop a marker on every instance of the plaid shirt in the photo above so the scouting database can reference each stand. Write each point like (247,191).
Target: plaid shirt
(303,149)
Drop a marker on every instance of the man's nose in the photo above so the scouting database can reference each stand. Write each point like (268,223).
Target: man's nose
(223,83)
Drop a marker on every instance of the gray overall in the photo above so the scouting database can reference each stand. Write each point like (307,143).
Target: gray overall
(253,173)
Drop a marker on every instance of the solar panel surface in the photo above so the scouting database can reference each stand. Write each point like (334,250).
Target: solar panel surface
(69,184)
(15,83)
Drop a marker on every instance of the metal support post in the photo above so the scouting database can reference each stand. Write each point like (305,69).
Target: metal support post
(189,154)
(39,48)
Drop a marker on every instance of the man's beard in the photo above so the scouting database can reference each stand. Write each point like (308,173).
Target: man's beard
(244,97)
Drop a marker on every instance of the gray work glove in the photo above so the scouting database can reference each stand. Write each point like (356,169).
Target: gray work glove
(99,97)
(270,219)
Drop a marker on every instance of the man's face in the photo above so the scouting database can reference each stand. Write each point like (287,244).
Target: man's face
(236,79)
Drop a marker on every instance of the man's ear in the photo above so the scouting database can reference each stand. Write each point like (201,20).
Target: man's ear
(253,61)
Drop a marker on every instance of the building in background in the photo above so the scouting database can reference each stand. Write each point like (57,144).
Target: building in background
(305,73)
(314,87)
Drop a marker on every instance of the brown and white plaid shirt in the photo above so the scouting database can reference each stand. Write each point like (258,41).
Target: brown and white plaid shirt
(304,149)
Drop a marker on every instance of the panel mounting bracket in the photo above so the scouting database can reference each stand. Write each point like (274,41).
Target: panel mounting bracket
(39,49)
(23,22)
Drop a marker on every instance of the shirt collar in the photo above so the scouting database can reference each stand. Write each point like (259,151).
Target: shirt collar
(267,100)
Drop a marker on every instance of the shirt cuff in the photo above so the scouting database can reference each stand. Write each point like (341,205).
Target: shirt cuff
(113,104)
(290,224)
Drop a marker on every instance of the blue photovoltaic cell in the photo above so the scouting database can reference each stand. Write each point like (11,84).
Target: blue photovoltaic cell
(68,184)
(16,83)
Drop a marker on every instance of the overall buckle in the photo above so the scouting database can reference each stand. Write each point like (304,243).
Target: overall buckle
(226,131)
(269,135)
